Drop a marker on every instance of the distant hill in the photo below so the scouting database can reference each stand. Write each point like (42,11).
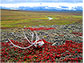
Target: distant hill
(45,8)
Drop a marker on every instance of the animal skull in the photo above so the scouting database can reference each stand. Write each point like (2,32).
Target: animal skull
(40,43)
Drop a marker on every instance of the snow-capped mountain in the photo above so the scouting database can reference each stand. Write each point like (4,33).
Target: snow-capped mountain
(44,6)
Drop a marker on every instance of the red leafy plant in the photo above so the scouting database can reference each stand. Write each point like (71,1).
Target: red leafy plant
(77,33)
(70,51)
(40,28)
(46,53)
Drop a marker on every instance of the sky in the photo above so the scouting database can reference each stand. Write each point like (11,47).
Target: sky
(45,1)
(15,4)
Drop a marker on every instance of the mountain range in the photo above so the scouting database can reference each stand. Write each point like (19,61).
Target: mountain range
(43,7)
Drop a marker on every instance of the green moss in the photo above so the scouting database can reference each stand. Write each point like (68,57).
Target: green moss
(22,18)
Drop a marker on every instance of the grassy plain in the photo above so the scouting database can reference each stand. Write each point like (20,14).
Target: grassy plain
(12,18)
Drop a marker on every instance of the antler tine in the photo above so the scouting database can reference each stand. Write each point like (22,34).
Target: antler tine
(29,40)
(32,34)
(37,37)
(26,37)
(19,46)
(54,43)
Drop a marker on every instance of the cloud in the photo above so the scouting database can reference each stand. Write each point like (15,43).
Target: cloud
(27,1)
(66,6)
(41,4)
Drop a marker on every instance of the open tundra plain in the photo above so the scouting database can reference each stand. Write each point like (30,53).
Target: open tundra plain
(10,19)
(65,41)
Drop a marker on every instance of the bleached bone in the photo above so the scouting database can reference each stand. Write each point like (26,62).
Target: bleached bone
(23,47)
(54,43)
(40,43)
(29,40)
(37,37)
(26,38)
(36,43)
(19,46)
(32,34)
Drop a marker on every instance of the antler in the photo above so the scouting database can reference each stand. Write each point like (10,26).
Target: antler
(37,38)
(25,47)
(32,34)
(40,43)
(26,38)
(19,46)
